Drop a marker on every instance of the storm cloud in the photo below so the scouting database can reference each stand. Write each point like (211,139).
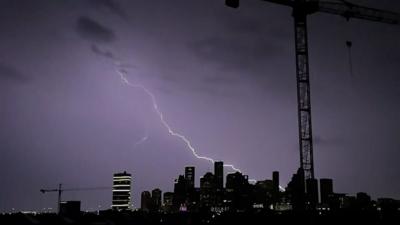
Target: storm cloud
(92,30)
(224,78)
(10,73)
(111,5)
(234,53)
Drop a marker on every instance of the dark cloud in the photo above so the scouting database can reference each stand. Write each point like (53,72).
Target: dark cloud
(332,141)
(105,53)
(235,52)
(123,67)
(11,74)
(109,5)
(93,31)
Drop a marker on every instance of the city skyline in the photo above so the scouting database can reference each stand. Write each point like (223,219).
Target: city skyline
(223,78)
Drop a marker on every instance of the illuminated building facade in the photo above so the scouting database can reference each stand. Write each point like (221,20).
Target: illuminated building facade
(121,198)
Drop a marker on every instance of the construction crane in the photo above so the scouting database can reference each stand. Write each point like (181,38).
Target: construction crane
(301,9)
(60,190)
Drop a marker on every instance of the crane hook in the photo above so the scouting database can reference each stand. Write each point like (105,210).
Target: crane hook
(349,44)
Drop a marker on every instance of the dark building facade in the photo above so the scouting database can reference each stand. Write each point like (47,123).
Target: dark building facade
(311,193)
(237,191)
(219,175)
(263,193)
(156,195)
(70,208)
(207,190)
(190,176)
(180,192)
(275,184)
(168,199)
(145,201)
(326,190)
(296,190)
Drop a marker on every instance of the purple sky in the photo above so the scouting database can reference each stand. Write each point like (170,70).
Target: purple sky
(224,78)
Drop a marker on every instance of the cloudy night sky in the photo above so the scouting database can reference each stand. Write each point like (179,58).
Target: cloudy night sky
(223,77)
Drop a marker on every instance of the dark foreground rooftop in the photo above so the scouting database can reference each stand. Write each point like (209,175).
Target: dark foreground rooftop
(266,217)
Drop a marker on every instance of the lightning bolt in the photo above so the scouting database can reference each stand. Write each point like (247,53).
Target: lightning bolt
(122,74)
(120,69)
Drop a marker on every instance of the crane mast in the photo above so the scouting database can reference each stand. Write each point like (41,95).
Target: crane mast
(301,9)
(303,90)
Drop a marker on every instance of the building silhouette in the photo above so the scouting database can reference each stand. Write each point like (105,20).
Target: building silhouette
(219,175)
(168,199)
(207,190)
(180,191)
(363,201)
(70,208)
(190,177)
(156,195)
(275,185)
(145,201)
(296,191)
(311,193)
(237,191)
(263,194)
(121,192)
(326,190)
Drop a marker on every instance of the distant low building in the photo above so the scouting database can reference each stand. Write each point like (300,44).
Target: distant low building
(70,208)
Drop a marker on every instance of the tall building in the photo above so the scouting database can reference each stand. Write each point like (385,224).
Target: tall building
(326,189)
(145,201)
(237,191)
(219,175)
(156,199)
(121,198)
(263,193)
(180,192)
(190,176)
(275,186)
(207,190)
(168,201)
(296,190)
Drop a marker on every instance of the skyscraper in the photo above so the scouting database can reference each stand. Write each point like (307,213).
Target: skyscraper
(180,192)
(156,199)
(190,176)
(207,190)
(121,198)
(145,201)
(237,191)
(219,175)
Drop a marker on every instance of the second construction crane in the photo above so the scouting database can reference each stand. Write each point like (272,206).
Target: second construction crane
(301,10)
(60,190)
